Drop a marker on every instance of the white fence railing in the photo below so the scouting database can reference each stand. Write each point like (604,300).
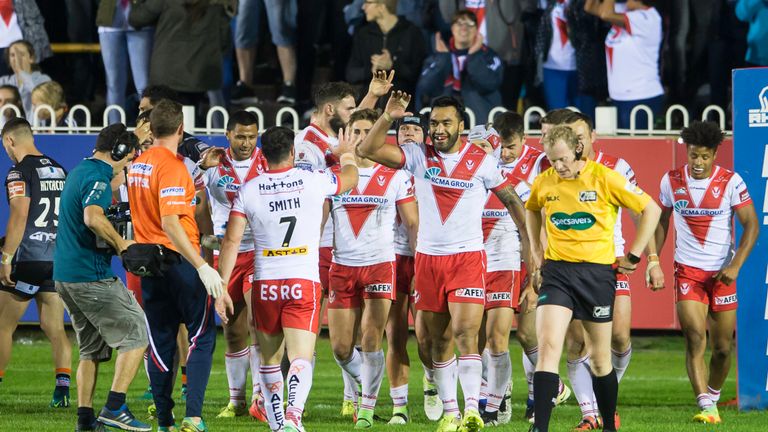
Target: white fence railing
(531,118)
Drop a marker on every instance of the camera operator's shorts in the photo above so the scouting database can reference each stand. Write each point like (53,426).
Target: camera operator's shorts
(105,316)
(585,288)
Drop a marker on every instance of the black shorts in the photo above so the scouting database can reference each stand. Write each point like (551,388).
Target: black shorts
(38,273)
(26,296)
(585,288)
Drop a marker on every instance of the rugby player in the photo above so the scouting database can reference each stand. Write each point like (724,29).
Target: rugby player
(362,275)
(580,199)
(452,178)
(284,209)
(704,197)
(241,163)
(33,187)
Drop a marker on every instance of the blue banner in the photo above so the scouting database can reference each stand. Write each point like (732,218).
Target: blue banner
(750,132)
(68,150)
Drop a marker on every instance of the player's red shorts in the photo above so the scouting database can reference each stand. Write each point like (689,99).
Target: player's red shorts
(291,303)
(698,285)
(443,279)
(326,258)
(404,269)
(622,285)
(350,285)
(241,280)
(133,283)
(502,289)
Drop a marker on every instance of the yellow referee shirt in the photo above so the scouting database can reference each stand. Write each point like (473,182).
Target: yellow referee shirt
(581,212)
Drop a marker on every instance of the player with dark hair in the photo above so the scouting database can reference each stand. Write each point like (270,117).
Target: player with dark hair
(580,199)
(704,197)
(284,209)
(452,179)
(242,162)
(33,188)
(104,314)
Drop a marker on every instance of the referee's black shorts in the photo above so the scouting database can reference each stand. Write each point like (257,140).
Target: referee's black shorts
(585,288)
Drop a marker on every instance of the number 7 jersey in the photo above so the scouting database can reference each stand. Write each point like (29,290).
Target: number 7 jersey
(284,209)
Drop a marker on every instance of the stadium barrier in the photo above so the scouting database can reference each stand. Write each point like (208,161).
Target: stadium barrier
(650,157)
(531,117)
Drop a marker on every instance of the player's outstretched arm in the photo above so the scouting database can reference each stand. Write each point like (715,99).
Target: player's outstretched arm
(748,220)
(14,233)
(646,228)
(380,85)
(533,230)
(508,196)
(96,221)
(374,145)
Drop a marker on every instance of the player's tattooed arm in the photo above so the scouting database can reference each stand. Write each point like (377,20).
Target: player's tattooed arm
(508,196)
(374,145)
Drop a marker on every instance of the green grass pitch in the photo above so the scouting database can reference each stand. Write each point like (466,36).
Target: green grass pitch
(654,396)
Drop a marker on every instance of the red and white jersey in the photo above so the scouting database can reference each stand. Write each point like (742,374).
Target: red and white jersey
(223,182)
(284,208)
(529,164)
(314,151)
(500,233)
(632,55)
(622,167)
(451,190)
(362,215)
(478,7)
(561,55)
(703,214)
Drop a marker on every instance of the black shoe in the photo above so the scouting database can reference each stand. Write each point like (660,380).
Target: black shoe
(242,94)
(287,95)
(97,426)
(490,418)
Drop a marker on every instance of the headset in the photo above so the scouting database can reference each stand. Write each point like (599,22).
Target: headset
(578,153)
(120,149)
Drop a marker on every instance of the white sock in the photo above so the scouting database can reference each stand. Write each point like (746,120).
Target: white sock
(499,372)
(470,370)
(399,395)
(299,384)
(714,395)
(351,371)
(255,361)
(704,401)
(236,365)
(620,361)
(446,380)
(429,374)
(372,374)
(581,382)
(272,389)
(529,365)
(486,359)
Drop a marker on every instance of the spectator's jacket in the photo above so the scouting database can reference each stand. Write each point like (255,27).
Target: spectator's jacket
(405,43)
(478,83)
(187,53)
(755,12)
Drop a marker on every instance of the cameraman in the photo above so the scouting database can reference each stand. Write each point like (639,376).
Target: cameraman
(104,314)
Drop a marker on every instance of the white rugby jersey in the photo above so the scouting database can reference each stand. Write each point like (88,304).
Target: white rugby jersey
(561,55)
(284,209)
(632,55)
(362,215)
(223,182)
(500,233)
(314,151)
(451,190)
(703,214)
(622,167)
(402,236)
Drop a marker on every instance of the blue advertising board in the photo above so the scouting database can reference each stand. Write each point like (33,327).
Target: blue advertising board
(750,132)
(68,150)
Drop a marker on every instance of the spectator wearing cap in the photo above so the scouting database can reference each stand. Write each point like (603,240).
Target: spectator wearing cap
(632,57)
(755,12)
(466,68)
(20,57)
(386,42)
(122,46)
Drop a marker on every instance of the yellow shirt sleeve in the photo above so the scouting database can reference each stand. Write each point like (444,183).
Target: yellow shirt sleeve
(533,203)
(622,193)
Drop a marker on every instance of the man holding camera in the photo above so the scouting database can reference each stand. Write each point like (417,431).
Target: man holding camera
(104,314)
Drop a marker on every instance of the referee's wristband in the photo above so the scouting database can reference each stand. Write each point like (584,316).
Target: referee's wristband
(634,259)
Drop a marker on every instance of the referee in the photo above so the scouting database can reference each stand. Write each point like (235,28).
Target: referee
(577,280)
(104,314)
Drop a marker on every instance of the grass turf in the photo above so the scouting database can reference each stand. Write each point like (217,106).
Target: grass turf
(654,395)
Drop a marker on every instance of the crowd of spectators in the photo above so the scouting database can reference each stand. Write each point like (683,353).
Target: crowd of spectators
(511,53)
